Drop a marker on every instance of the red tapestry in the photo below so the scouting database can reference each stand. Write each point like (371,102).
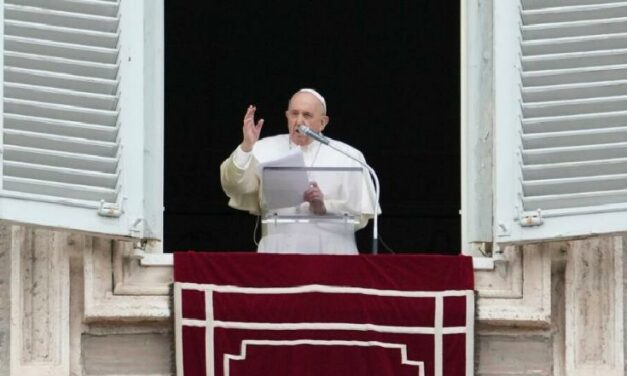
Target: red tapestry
(248,314)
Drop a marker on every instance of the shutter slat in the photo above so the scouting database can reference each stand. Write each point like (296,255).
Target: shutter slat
(575,29)
(541,4)
(60,65)
(60,80)
(586,11)
(574,185)
(60,112)
(60,34)
(95,7)
(574,106)
(575,75)
(60,96)
(59,174)
(575,44)
(569,60)
(56,49)
(60,159)
(575,153)
(59,18)
(61,143)
(575,169)
(60,127)
(48,188)
(575,91)
(574,138)
(575,200)
(574,122)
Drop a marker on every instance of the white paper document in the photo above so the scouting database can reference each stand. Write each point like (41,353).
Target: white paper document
(284,181)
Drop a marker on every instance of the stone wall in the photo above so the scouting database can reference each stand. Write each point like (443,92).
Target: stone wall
(80,305)
(553,309)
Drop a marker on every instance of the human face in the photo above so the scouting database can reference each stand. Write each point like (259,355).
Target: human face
(304,108)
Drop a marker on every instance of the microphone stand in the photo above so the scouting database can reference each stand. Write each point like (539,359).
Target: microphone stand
(375,227)
(304,129)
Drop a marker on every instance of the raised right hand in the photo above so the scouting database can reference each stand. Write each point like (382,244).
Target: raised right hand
(250,130)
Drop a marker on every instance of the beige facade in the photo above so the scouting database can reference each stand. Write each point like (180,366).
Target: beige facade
(80,305)
(77,305)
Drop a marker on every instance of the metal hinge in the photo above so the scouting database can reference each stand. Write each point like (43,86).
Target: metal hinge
(531,220)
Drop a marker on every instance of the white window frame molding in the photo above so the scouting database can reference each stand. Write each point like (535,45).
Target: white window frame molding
(477,121)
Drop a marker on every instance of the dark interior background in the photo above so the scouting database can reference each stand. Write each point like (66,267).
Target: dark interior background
(388,70)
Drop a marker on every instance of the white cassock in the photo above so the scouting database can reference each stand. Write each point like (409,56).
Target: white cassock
(241,182)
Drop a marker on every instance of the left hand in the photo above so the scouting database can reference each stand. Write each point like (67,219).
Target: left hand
(314,196)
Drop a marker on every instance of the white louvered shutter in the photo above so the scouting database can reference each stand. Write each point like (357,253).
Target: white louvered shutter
(82,115)
(560,118)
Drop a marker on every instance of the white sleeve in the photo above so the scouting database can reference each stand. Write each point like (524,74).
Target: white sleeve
(241,185)
(241,158)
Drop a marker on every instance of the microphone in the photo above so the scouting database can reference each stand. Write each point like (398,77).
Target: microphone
(303,129)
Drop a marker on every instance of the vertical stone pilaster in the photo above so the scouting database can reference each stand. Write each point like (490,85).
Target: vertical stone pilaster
(39,302)
(5,302)
(76,244)
(558,309)
(594,307)
(624,238)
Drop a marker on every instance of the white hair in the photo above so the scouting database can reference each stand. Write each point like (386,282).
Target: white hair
(317,95)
